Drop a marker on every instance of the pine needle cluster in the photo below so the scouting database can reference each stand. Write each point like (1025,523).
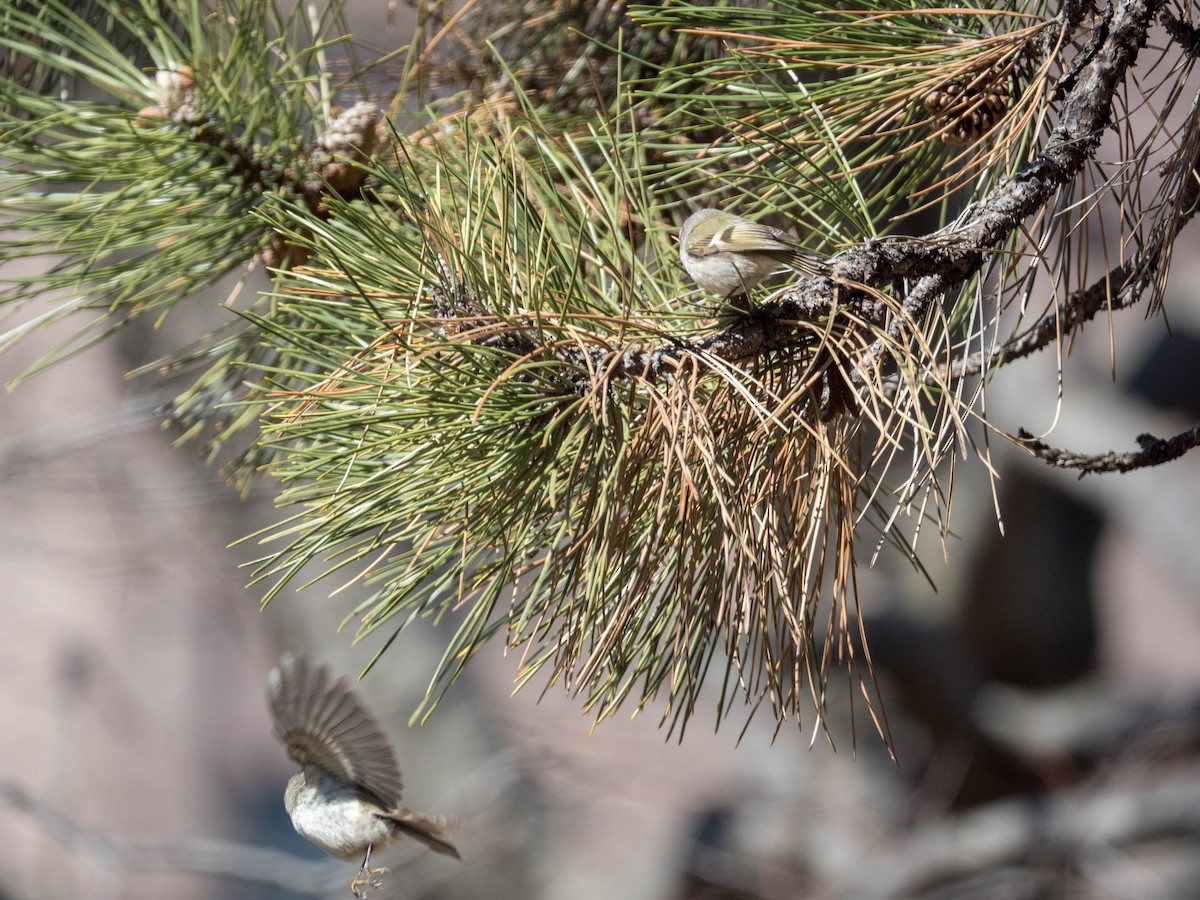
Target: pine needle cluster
(482,380)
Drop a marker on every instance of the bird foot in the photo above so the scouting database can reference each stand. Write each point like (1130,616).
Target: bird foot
(366,878)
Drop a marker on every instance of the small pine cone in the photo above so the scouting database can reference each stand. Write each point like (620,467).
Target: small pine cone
(280,253)
(963,115)
(939,100)
(351,137)
(996,105)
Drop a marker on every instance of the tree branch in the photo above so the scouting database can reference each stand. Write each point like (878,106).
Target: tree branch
(1079,307)
(1154,452)
(1131,278)
(943,261)
(1185,35)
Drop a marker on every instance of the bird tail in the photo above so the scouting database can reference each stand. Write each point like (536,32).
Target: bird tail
(431,831)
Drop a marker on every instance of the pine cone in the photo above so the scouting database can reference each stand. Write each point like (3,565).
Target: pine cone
(350,138)
(280,253)
(965,114)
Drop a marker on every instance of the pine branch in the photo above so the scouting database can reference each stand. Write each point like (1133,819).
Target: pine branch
(593,471)
(173,178)
(481,379)
(1154,452)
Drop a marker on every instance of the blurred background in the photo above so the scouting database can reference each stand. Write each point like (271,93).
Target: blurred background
(1044,700)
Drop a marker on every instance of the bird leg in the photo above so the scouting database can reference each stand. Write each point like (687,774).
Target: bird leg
(366,876)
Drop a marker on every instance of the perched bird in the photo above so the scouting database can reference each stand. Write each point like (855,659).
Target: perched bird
(346,798)
(726,254)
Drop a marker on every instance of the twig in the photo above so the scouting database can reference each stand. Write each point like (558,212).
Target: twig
(1185,35)
(1080,307)
(1154,452)
(1124,284)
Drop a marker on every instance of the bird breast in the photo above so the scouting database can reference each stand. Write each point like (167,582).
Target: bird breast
(334,816)
(728,273)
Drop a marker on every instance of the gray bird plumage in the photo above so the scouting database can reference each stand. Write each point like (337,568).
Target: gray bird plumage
(346,798)
(726,254)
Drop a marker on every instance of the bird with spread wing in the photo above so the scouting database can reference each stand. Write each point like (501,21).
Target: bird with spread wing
(346,798)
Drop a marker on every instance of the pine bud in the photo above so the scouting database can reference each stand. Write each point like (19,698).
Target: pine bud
(174,89)
(149,116)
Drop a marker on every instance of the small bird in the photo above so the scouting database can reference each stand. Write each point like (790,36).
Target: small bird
(346,798)
(726,254)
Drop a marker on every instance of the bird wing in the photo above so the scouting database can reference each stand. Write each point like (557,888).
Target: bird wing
(763,238)
(756,237)
(323,724)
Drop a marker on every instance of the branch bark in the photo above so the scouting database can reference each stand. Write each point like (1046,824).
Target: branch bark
(1154,452)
